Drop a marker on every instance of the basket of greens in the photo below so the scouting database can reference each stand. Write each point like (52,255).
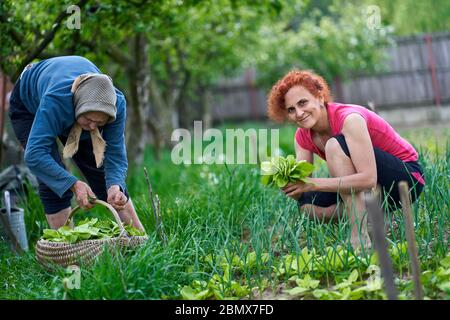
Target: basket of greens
(83,243)
(279,171)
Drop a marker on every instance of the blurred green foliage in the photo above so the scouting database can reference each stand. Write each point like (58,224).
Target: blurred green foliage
(409,17)
(206,40)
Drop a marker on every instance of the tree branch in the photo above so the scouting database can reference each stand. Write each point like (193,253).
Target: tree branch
(49,36)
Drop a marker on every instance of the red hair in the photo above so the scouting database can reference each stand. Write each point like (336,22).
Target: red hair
(314,83)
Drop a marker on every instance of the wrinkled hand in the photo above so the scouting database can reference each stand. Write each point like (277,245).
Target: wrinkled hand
(117,198)
(295,190)
(83,194)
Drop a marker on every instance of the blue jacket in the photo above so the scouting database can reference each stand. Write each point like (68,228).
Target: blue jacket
(45,92)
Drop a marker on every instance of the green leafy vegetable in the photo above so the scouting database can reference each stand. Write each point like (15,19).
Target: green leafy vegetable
(89,229)
(280,171)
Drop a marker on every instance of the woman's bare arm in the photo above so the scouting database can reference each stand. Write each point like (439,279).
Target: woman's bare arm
(303,154)
(363,158)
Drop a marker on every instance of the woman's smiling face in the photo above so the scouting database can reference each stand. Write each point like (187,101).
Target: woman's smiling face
(302,107)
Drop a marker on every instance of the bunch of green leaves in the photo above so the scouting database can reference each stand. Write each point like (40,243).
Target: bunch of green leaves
(225,282)
(280,171)
(351,288)
(437,282)
(218,287)
(89,229)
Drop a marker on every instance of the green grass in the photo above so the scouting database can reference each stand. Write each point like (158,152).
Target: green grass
(231,237)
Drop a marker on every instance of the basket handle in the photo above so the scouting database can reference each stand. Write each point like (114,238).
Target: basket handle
(108,206)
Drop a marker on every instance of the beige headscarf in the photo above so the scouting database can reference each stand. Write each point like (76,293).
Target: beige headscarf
(91,92)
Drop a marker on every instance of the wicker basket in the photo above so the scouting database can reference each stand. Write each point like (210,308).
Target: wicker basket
(84,252)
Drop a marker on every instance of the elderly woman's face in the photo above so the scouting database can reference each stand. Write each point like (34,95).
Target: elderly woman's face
(91,120)
(302,107)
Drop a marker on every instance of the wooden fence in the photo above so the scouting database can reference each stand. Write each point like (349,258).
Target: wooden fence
(417,73)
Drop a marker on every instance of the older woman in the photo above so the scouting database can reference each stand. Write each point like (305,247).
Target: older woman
(67,98)
(360,148)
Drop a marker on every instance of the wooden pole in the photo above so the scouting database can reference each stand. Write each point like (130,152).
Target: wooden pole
(432,64)
(411,238)
(252,93)
(377,218)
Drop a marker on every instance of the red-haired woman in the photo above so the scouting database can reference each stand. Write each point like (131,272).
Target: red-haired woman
(360,148)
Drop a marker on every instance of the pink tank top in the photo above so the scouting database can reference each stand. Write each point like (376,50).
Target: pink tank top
(383,136)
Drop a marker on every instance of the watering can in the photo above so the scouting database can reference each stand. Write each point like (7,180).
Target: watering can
(16,223)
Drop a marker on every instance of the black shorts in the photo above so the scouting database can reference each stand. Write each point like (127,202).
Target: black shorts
(22,120)
(390,171)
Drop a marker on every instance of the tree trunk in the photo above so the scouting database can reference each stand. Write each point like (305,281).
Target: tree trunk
(156,135)
(162,121)
(169,120)
(206,106)
(139,78)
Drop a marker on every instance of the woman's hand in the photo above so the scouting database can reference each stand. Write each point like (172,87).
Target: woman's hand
(83,195)
(294,190)
(117,198)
